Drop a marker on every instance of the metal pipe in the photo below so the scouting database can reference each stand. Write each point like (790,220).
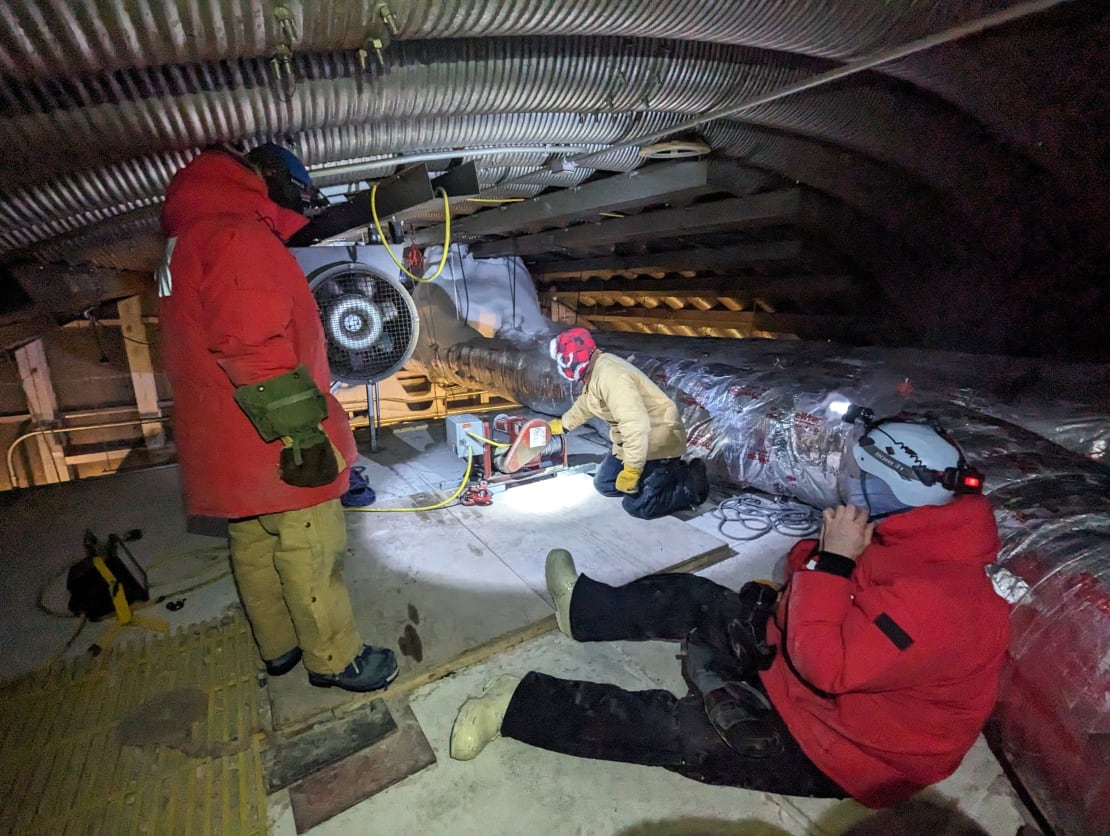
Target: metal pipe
(387,162)
(885,56)
(51,430)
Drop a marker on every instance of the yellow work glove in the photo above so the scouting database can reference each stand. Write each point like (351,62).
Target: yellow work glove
(556,425)
(628,480)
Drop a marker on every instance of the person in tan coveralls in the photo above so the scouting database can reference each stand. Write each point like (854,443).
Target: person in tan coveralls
(645,465)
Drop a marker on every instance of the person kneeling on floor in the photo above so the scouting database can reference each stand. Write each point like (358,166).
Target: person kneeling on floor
(870,677)
(645,464)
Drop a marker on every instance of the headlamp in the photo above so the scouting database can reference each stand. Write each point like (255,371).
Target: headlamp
(862,414)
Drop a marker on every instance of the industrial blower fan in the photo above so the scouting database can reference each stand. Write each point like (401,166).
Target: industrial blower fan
(369,318)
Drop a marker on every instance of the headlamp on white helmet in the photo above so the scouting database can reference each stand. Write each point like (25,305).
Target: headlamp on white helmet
(919,462)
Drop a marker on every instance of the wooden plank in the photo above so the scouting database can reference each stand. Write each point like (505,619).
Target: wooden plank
(137,344)
(809,326)
(42,403)
(668,182)
(289,759)
(340,786)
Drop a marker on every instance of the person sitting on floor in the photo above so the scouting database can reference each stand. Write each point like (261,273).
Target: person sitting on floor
(645,464)
(871,676)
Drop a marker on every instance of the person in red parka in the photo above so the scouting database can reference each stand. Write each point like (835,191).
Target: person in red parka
(870,676)
(260,439)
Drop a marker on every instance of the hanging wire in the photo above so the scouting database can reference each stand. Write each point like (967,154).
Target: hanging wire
(466,287)
(759,516)
(512,287)
(385,242)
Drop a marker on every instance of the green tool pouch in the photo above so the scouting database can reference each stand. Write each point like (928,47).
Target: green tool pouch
(285,405)
(291,407)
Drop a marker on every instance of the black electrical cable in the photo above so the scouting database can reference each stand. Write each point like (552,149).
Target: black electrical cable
(512,288)
(761,516)
(466,287)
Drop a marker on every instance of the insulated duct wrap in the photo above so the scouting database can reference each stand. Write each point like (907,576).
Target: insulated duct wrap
(757,412)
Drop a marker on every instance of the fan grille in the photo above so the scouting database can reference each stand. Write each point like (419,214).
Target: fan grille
(369,321)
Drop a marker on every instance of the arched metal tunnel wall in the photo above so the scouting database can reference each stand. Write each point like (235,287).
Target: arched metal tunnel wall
(957,194)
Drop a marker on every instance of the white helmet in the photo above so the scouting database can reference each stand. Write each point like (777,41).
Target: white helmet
(917,463)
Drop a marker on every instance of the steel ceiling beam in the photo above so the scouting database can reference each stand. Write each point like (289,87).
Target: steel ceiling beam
(653,184)
(733,213)
(403,190)
(690,259)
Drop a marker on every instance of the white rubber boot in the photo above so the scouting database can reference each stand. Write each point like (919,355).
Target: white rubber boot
(479,719)
(561,577)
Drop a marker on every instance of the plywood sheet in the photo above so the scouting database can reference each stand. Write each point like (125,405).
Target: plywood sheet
(458,584)
(525,523)
(425,586)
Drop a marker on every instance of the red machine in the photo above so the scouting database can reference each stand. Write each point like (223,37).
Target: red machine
(510,450)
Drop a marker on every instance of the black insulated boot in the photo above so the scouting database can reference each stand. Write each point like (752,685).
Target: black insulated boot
(700,479)
(741,715)
(283,663)
(372,669)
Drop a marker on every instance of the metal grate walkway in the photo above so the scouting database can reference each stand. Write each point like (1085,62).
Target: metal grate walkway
(162,736)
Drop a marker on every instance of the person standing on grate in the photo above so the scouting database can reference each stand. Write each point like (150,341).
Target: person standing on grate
(645,466)
(872,678)
(260,439)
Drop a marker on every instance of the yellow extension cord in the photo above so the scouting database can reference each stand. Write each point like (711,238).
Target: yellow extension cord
(462,486)
(385,243)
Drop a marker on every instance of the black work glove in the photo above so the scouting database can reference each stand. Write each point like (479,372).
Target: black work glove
(747,633)
(700,654)
(308,460)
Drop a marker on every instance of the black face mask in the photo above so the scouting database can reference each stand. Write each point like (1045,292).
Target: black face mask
(284,190)
(281,186)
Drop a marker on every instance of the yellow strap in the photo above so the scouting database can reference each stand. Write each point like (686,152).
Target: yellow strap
(115,589)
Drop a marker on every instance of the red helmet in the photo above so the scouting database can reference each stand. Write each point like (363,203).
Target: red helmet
(572,351)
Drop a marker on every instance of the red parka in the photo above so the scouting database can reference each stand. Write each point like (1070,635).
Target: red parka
(239,311)
(886,678)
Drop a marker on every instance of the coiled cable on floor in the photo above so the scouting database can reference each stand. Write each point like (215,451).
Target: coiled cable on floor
(759,516)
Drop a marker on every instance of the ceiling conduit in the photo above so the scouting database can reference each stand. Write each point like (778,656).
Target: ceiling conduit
(51,40)
(138,115)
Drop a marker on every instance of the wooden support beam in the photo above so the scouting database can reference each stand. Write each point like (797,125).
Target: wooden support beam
(726,258)
(734,213)
(137,344)
(69,289)
(42,403)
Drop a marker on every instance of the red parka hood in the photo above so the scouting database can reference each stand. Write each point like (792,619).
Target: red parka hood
(215,184)
(963,531)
